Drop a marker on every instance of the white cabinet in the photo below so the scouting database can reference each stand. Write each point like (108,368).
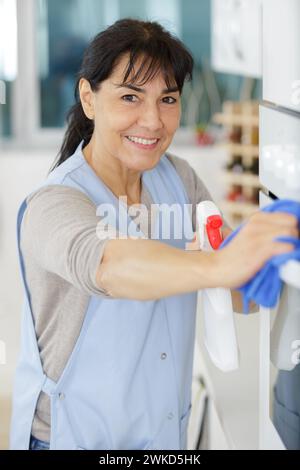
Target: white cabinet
(279,163)
(236,36)
(281,52)
(279,173)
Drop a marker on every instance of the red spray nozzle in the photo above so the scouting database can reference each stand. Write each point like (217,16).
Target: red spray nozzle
(213,225)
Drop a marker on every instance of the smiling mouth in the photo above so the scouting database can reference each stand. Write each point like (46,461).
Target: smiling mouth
(141,142)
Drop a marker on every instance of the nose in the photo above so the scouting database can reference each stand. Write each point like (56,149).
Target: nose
(150,117)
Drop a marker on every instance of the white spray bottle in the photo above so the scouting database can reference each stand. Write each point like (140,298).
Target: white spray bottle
(219,328)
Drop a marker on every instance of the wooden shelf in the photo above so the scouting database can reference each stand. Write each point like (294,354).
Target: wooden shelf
(242,179)
(236,119)
(241,122)
(241,149)
(241,208)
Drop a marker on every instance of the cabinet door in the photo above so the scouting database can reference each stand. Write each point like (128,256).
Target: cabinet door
(236,36)
(279,383)
(279,162)
(281,53)
(268,435)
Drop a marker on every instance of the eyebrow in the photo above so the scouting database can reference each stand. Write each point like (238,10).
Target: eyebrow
(142,90)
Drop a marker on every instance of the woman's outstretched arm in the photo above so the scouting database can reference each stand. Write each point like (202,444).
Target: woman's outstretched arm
(146,269)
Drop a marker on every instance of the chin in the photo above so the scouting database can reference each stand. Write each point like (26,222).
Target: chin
(143,167)
(140,163)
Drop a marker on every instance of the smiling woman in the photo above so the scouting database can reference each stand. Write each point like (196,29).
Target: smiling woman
(109,323)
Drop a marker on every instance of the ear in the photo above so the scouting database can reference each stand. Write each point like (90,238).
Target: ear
(87,98)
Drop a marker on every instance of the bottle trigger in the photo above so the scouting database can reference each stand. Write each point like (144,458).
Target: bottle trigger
(213,226)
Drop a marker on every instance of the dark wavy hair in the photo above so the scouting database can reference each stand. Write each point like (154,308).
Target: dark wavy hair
(159,50)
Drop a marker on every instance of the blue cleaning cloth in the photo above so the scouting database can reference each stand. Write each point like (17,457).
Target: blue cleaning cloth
(265,287)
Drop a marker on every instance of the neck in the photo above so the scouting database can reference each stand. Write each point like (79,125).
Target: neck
(120,180)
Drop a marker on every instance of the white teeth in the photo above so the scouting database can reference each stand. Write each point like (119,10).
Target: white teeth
(138,140)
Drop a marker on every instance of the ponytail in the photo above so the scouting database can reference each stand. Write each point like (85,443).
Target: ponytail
(79,128)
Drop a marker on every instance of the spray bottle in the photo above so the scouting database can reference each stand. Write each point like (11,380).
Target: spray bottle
(219,328)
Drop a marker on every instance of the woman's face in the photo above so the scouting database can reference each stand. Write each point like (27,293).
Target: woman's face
(134,124)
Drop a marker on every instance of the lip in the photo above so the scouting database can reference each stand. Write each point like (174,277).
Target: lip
(142,146)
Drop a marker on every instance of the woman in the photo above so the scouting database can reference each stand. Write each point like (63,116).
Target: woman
(109,321)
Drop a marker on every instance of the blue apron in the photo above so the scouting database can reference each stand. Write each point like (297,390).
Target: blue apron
(127,383)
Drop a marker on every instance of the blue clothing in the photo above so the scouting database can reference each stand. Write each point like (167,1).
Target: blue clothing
(265,287)
(127,383)
(37,444)
(286,407)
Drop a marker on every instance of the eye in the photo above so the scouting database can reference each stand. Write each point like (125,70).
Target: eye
(130,98)
(169,100)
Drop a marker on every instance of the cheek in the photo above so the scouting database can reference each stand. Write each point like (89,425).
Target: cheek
(113,116)
(171,121)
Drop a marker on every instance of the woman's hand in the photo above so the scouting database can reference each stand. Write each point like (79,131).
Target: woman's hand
(253,246)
